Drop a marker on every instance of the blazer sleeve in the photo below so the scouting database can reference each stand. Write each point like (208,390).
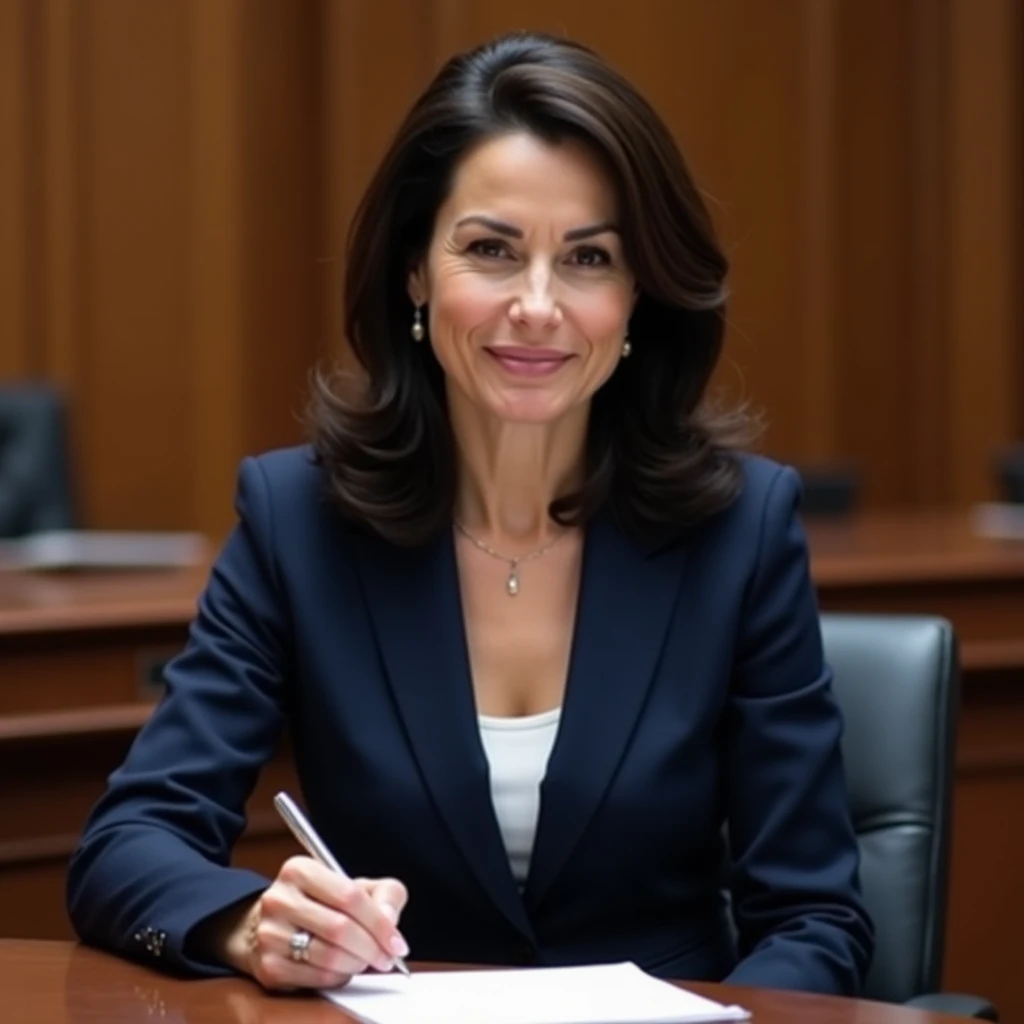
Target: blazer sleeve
(794,855)
(152,861)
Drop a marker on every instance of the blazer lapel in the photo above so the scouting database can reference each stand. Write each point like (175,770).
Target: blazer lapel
(416,611)
(627,596)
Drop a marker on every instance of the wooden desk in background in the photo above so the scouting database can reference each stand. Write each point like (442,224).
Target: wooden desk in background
(80,662)
(79,667)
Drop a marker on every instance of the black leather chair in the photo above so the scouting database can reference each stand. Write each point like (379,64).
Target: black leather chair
(35,471)
(830,491)
(1010,470)
(897,682)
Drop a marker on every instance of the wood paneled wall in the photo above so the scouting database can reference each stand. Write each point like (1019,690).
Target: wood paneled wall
(162,258)
(178,177)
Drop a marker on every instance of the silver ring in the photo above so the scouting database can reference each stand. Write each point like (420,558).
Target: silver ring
(298,946)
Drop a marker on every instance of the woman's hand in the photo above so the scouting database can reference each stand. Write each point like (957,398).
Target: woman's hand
(353,924)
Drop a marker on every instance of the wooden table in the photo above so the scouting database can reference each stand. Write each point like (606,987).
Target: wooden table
(80,661)
(61,983)
(928,563)
(79,667)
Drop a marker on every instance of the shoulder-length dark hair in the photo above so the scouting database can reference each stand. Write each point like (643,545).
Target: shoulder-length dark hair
(657,456)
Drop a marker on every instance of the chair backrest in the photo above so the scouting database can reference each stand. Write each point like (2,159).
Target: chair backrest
(897,683)
(35,472)
(829,491)
(1010,470)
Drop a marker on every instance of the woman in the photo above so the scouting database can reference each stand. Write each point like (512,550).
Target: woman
(545,642)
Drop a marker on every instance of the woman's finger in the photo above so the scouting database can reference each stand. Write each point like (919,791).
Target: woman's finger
(274,938)
(390,895)
(349,897)
(277,971)
(286,909)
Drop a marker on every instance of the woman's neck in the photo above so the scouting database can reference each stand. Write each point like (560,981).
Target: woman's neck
(510,473)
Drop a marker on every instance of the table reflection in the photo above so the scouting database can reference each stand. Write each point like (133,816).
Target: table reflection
(103,989)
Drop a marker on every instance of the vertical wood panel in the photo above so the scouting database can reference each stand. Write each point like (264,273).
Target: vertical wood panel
(928,437)
(449,29)
(985,208)
(364,99)
(14,57)
(820,46)
(341,36)
(215,434)
(135,373)
(876,269)
(280,179)
(33,252)
(60,126)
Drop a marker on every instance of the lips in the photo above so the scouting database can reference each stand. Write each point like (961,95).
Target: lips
(522,361)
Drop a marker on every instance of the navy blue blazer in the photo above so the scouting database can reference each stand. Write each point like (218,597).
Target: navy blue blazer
(697,697)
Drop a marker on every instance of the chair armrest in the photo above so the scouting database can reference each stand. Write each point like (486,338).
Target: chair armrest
(956,1004)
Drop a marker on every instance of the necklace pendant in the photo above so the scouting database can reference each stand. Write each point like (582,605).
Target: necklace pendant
(512,584)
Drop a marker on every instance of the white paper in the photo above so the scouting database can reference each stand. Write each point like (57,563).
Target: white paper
(613,994)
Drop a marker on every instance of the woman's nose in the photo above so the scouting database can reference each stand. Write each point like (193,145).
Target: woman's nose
(536,305)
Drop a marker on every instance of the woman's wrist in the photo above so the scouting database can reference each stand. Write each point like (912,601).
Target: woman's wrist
(227,937)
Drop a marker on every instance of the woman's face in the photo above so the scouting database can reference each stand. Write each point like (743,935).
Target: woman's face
(525,282)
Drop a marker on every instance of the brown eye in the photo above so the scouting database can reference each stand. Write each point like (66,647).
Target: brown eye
(592,256)
(490,248)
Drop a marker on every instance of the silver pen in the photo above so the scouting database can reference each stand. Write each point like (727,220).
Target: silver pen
(315,846)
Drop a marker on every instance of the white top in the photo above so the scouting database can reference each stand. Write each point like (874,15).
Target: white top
(517,751)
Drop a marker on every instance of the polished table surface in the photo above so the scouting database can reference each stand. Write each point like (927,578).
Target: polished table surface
(63,983)
(77,601)
(902,547)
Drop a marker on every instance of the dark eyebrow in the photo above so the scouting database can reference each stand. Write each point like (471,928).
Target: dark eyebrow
(595,229)
(498,226)
(511,231)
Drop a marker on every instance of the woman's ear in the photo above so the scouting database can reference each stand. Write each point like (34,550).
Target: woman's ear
(417,285)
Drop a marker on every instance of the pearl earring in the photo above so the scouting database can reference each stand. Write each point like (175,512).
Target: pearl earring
(417,330)
(627,347)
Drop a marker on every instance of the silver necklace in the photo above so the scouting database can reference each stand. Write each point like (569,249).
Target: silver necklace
(512,583)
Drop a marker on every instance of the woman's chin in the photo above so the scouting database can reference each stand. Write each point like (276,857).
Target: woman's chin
(530,410)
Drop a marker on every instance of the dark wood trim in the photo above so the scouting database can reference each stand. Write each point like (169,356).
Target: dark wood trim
(50,725)
(1005,759)
(992,655)
(37,849)
(58,847)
